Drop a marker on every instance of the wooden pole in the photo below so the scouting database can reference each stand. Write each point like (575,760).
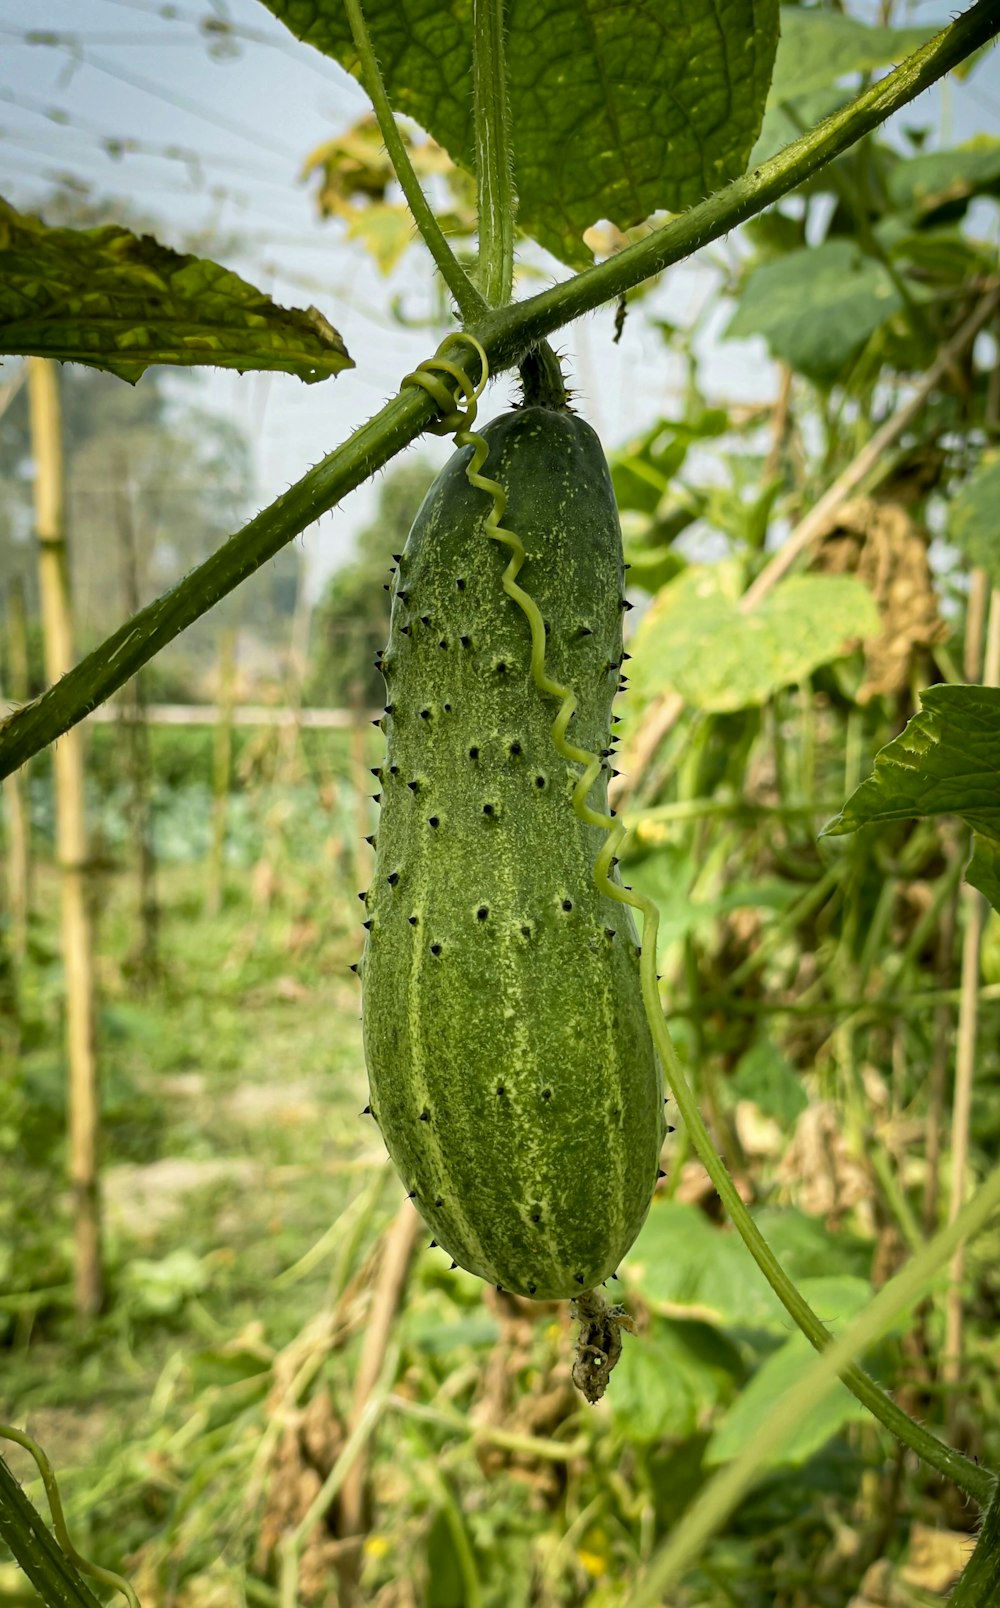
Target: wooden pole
(221,770)
(975,908)
(16,786)
(71,839)
(146,962)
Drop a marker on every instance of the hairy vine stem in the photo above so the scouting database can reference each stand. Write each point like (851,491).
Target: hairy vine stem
(56,1583)
(460,419)
(497,203)
(467,298)
(505,335)
(721,1495)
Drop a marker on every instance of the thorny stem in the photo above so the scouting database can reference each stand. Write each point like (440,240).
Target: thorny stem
(467,298)
(978,1585)
(56,1579)
(506,334)
(497,202)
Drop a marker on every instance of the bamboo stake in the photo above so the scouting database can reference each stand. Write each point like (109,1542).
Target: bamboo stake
(136,735)
(221,769)
(965,1063)
(18,813)
(71,840)
(399,1248)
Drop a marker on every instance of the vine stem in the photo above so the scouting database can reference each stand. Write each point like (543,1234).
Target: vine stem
(505,334)
(968,1476)
(51,1568)
(722,1494)
(497,203)
(468,299)
(978,1585)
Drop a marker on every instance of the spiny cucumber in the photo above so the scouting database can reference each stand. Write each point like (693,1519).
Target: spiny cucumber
(511,1067)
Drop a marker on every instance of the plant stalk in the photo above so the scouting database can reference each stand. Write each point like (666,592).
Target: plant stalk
(721,1495)
(978,1585)
(57,1581)
(968,1476)
(82,1094)
(467,298)
(497,202)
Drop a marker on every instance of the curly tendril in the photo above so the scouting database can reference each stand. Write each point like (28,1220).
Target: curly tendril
(107,1577)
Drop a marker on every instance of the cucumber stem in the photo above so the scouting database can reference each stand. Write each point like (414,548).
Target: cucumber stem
(470,303)
(495,195)
(978,1585)
(542,383)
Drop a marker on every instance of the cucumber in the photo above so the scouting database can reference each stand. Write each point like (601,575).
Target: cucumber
(510,1064)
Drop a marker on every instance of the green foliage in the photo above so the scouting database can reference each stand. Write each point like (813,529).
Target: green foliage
(938,185)
(845,1297)
(592,139)
(670,1378)
(974,517)
(645,471)
(817,307)
(945,762)
(983,870)
(696,641)
(819,47)
(766,1076)
(807,980)
(118,301)
(817,50)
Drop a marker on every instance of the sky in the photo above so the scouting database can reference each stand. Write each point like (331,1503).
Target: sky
(226,105)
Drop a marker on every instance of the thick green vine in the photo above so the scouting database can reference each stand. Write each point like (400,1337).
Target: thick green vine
(24,1545)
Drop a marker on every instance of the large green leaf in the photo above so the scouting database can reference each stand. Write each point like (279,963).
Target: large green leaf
(669,1377)
(816,307)
(619,108)
(837,1300)
(682,1263)
(983,870)
(974,517)
(119,301)
(946,180)
(946,762)
(694,640)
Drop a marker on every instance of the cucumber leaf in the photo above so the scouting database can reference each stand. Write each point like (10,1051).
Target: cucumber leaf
(816,307)
(946,762)
(845,1297)
(820,47)
(619,108)
(694,640)
(118,301)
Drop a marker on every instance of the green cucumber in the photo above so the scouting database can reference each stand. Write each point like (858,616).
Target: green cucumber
(511,1067)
